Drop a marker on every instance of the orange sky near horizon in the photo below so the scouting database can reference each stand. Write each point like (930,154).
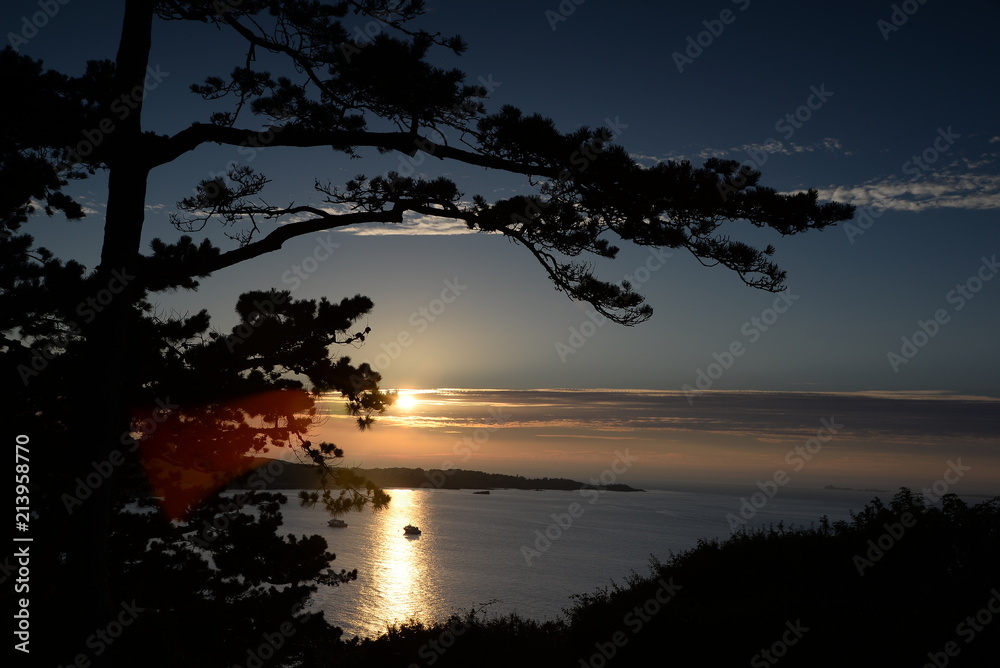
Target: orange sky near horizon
(857,440)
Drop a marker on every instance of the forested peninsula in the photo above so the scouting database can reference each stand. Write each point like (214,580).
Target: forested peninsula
(279,474)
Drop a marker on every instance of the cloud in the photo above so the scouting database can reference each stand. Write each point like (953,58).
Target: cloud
(85,206)
(967,183)
(304,216)
(649,160)
(927,418)
(592,436)
(968,191)
(413,224)
(745,152)
(896,437)
(827,144)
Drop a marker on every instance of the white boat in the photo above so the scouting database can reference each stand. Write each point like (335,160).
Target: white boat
(336,523)
(411,530)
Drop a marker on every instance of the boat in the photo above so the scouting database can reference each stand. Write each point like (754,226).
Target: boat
(411,530)
(337,523)
(485,491)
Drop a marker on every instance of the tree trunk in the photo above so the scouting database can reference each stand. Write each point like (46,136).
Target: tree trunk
(91,606)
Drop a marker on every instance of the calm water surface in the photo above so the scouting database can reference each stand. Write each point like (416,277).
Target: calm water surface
(473,547)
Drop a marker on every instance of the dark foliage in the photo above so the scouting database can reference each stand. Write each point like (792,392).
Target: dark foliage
(727,601)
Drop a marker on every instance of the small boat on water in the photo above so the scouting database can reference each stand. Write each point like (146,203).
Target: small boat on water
(411,530)
(338,523)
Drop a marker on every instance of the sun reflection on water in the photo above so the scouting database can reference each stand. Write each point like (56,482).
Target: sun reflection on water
(402,565)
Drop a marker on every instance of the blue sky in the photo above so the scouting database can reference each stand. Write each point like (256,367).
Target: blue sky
(858,292)
(824,98)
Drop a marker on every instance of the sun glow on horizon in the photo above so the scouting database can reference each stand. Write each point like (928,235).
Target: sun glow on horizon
(406,401)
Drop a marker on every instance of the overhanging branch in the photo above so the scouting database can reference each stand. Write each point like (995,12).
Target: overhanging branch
(200,133)
(275,239)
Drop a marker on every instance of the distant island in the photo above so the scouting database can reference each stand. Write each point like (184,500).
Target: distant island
(852,489)
(303,476)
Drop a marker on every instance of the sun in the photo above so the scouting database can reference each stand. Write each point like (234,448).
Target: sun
(406,401)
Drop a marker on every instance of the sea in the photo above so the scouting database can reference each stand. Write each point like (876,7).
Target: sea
(528,551)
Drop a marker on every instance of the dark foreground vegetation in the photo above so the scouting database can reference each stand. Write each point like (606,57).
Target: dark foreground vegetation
(901,584)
